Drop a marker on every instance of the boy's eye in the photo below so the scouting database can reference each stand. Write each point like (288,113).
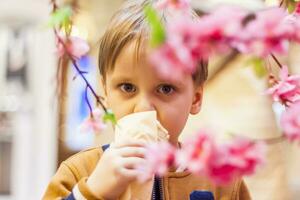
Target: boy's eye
(127,87)
(166,89)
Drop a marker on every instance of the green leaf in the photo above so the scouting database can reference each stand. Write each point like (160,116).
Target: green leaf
(258,67)
(291,5)
(158,33)
(109,116)
(61,17)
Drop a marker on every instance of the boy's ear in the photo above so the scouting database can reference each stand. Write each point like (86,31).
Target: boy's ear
(197,100)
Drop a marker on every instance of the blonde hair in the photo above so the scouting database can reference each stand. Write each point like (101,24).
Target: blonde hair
(129,24)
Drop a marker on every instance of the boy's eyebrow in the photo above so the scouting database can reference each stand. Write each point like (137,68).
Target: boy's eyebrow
(175,82)
(121,79)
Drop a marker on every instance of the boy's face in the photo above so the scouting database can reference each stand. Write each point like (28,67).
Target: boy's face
(135,86)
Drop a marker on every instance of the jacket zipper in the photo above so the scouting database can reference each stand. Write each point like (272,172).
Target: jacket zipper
(157,187)
(161,192)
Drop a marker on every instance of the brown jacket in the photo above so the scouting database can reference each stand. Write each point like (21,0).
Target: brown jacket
(176,185)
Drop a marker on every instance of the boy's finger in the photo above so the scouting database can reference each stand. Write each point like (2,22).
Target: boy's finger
(130,151)
(129,173)
(132,162)
(129,142)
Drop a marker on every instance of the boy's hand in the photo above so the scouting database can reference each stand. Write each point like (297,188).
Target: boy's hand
(115,170)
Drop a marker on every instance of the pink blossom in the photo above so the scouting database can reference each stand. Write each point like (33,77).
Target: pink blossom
(297,10)
(218,30)
(159,157)
(200,155)
(225,21)
(240,157)
(197,153)
(287,89)
(220,163)
(177,4)
(93,124)
(267,33)
(76,47)
(190,40)
(167,63)
(290,122)
(179,54)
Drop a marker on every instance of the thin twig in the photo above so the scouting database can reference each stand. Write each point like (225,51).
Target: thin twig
(74,63)
(276,60)
(54,5)
(88,102)
(281,3)
(271,141)
(268,141)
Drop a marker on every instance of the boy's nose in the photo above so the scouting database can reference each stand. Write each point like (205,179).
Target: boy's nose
(143,104)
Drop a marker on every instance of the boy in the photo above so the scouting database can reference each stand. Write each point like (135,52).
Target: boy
(132,85)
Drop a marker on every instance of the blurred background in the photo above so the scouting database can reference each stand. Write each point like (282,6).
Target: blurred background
(38,129)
